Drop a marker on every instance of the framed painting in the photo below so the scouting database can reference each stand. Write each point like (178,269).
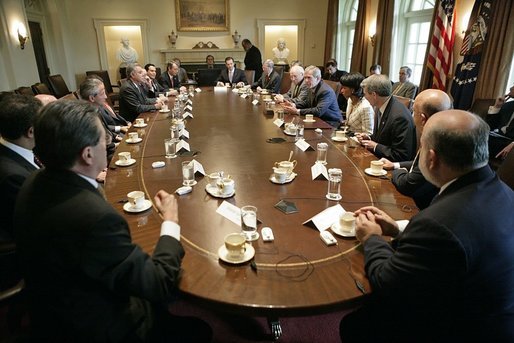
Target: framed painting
(202,15)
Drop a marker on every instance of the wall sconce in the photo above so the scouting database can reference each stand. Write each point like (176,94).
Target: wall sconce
(22,36)
(372,33)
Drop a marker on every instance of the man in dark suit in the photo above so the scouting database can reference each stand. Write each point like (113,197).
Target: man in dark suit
(17,113)
(269,80)
(321,101)
(154,87)
(133,98)
(407,177)
(500,118)
(231,75)
(448,277)
(394,134)
(253,58)
(332,73)
(86,281)
(170,79)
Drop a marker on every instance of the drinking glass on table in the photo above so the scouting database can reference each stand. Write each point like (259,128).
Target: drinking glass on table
(188,174)
(170,146)
(249,222)
(334,184)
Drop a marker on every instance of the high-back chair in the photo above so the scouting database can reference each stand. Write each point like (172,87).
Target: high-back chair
(41,88)
(506,169)
(24,90)
(408,102)
(285,84)
(112,96)
(250,75)
(58,85)
(207,77)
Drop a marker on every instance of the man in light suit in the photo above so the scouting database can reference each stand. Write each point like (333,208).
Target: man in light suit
(394,134)
(448,277)
(133,97)
(269,80)
(86,281)
(298,94)
(407,177)
(17,113)
(321,102)
(404,87)
(231,75)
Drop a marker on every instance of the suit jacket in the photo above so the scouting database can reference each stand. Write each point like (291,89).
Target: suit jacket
(112,120)
(14,169)
(407,89)
(298,94)
(253,61)
(165,81)
(396,134)
(500,119)
(411,182)
(156,88)
(322,103)
(449,275)
(133,101)
(239,76)
(83,274)
(273,84)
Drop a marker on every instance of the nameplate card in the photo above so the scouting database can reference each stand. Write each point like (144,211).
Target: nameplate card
(278,122)
(192,94)
(183,146)
(198,90)
(220,89)
(189,102)
(326,218)
(244,95)
(231,212)
(187,114)
(189,108)
(255,102)
(235,90)
(303,145)
(198,168)
(184,134)
(319,172)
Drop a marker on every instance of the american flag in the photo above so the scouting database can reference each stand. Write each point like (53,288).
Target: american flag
(441,44)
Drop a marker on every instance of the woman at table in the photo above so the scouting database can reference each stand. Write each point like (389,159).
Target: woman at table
(359,112)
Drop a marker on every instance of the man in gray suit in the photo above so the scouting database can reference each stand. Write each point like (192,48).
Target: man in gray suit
(404,87)
(298,94)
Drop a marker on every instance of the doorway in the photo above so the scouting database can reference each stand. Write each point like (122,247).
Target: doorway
(36,35)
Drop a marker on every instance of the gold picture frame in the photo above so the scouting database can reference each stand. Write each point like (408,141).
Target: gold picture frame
(202,15)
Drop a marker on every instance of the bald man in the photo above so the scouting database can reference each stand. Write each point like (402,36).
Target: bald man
(298,94)
(407,177)
(448,276)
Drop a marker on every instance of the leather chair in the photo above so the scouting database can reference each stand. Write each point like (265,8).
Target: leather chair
(250,75)
(70,96)
(41,88)
(112,96)
(408,102)
(481,107)
(285,84)
(506,169)
(207,77)
(334,85)
(24,91)
(58,85)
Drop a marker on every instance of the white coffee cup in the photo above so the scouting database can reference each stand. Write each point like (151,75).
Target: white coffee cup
(226,186)
(376,166)
(235,245)
(340,134)
(287,165)
(309,117)
(140,121)
(280,174)
(133,136)
(124,156)
(213,178)
(347,222)
(136,199)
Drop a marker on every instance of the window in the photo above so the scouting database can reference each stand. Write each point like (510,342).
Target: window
(412,36)
(347,18)
(511,77)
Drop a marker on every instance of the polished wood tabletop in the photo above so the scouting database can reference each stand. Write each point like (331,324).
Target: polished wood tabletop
(296,274)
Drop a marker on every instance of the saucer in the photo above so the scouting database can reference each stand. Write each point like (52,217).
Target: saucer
(129,208)
(215,192)
(290,133)
(337,139)
(248,255)
(130,162)
(131,141)
(368,171)
(164,111)
(288,179)
(140,125)
(336,228)
(309,120)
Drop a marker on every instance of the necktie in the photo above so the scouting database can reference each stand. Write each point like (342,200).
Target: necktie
(172,83)
(379,118)
(101,190)
(295,91)
(230,75)
(267,79)
(38,162)
(110,110)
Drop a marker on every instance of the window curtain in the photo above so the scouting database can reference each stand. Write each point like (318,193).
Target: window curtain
(426,80)
(497,56)
(361,39)
(384,35)
(331,31)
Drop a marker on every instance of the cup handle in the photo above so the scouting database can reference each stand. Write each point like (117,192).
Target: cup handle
(294,164)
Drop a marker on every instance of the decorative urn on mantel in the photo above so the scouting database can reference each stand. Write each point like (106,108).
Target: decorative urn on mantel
(236,37)
(173,39)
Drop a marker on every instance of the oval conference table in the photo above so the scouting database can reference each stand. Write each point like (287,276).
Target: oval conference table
(294,275)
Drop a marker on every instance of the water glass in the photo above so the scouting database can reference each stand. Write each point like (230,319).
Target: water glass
(299,132)
(170,146)
(322,149)
(175,132)
(188,174)
(249,222)
(334,184)
(280,113)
